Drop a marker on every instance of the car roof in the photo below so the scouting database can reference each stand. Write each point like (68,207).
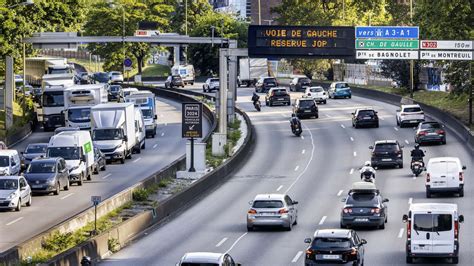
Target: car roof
(202,257)
(11,177)
(392,141)
(365,109)
(363,186)
(270,197)
(38,144)
(305,99)
(410,105)
(443,159)
(8,152)
(315,87)
(49,159)
(335,233)
(433,207)
(430,122)
(276,88)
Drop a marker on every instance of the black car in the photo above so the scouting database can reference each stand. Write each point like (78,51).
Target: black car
(99,161)
(174,81)
(366,117)
(430,132)
(364,209)
(306,107)
(36,94)
(277,96)
(114,93)
(46,175)
(100,77)
(335,246)
(299,83)
(265,84)
(83,78)
(32,151)
(387,153)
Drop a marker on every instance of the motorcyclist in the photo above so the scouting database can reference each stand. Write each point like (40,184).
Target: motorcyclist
(367,168)
(294,120)
(417,155)
(255,98)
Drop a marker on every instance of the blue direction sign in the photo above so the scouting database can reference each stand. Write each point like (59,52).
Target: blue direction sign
(388,32)
(127,62)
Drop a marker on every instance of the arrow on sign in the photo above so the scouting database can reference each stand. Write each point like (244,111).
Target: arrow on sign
(191,127)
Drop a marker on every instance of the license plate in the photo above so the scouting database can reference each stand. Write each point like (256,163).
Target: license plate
(424,248)
(36,186)
(361,219)
(109,157)
(432,134)
(386,160)
(307,111)
(413,121)
(330,257)
(281,99)
(367,118)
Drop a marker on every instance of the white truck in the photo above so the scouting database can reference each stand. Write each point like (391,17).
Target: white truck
(52,102)
(186,72)
(78,101)
(113,130)
(251,69)
(77,149)
(145,100)
(37,67)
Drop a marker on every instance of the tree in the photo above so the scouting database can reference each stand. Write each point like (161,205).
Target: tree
(195,9)
(399,71)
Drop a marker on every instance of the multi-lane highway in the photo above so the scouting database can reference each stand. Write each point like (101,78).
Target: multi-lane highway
(316,169)
(49,210)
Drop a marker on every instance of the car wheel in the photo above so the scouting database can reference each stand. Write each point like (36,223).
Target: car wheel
(104,167)
(356,263)
(143,146)
(461,192)
(270,103)
(289,227)
(249,228)
(455,260)
(129,155)
(56,191)
(400,165)
(30,200)
(398,122)
(350,97)
(409,260)
(122,160)
(342,226)
(377,125)
(96,170)
(18,206)
(325,102)
(443,142)
(356,126)
(317,115)
(89,176)
(81,180)
(66,187)
(139,149)
(382,226)
(428,193)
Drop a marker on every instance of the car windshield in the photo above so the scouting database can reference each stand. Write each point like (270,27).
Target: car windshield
(305,80)
(363,113)
(432,222)
(316,89)
(279,92)
(430,126)
(362,199)
(341,85)
(198,264)
(42,167)
(116,74)
(67,153)
(412,109)
(53,98)
(8,184)
(270,81)
(107,134)
(386,147)
(4,161)
(331,243)
(34,148)
(214,80)
(102,77)
(58,71)
(307,103)
(177,78)
(147,113)
(267,204)
(79,115)
(114,88)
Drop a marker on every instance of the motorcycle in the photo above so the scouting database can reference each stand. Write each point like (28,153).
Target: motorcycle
(296,129)
(417,167)
(257,106)
(368,176)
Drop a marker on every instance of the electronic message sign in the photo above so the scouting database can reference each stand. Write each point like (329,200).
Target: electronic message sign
(301,41)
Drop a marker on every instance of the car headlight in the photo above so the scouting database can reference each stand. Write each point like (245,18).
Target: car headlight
(72,169)
(11,196)
(149,127)
(46,118)
(119,147)
(51,181)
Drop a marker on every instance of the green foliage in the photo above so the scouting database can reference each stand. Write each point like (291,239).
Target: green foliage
(195,8)
(113,244)
(399,71)
(164,182)
(140,194)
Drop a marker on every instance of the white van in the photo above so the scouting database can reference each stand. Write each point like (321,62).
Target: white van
(10,163)
(76,148)
(140,130)
(444,174)
(432,231)
(186,72)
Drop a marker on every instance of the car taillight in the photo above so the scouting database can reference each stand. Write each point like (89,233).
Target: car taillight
(353,251)
(375,210)
(456,229)
(273,93)
(347,210)
(309,252)
(422,133)
(283,211)
(428,177)
(398,153)
(402,114)
(439,131)
(408,229)
(252,211)
(461,176)
(309,94)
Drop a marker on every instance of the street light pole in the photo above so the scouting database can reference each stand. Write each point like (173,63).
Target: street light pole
(259,14)
(123,39)
(412,83)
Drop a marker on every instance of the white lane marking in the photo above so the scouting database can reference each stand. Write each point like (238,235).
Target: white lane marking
(410,200)
(280,187)
(322,220)
(414,177)
(400,234)
(297,167)
(154,146)
(355,154)
(340,192)
(343,126)
(67,196)
(166,124)
(309,161)
(406,141)
(236,241)
(221,242)
(162,134)
(352,139)
(282,114)
(14,221)
(396,128)
(138,159)
(352,171)
(302,137)
(105,176)
(328,115)
(381,118)
(303,151)
(297,256)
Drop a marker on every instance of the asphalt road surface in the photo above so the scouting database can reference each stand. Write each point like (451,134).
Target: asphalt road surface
(316,169)
(49,210)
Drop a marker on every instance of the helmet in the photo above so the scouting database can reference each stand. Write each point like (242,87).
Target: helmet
(293,115)
(367,163)
(417,146)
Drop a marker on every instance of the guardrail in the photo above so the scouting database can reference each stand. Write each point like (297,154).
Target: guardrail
(16,254)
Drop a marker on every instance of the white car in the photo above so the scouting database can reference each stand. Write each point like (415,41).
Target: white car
(14,192)
(116,76)
(317,93)
(207,258)
(210,85)
(272,210)
(444,174)
(410,114)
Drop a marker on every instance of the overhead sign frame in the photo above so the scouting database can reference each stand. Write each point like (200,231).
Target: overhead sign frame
(191,126)
(387,32)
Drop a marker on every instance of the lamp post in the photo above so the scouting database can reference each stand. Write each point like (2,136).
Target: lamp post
(112,4)
(412,85)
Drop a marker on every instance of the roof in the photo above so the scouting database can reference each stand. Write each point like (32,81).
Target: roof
(111,105)
(86,87)
(365,108)
(270,197)
(38,144)
(433,207)
(410,105)
(8,152)
(363,186)
(49,159)
(441,159)
(313,87)
(202,257)
(130,89)
(385,141)
(338,233)
(12,177)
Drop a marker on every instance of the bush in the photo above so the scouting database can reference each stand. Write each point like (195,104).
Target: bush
(140,194)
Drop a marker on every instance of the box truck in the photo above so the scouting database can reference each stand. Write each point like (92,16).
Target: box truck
(52,99)
(145,100)
(78,101)
(251,69)
(113,130)
(77,149)
(186,72)
(37,67)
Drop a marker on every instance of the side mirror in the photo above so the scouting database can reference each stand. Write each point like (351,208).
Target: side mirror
(295,202)
(22,153)
(385,200)
(307,240)
(155,117)
(405,218)
(461,218)
(250,202)
(398,110)
(352,113)
(464,167)
(343,200)
(125,138)
(371,147)
(363,241)
(83,158)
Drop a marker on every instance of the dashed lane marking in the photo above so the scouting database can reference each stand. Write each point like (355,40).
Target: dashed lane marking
(343,126)
(396,128)
(400,233)
(352,139)
(322,220)
(355,154)
(303,151)
(297,167)
(138,159)
(297,256)
(352,171)
(154,146)
(406,141)
(410,200)
(14,221)
(280,187)
(105,176)
(340,192)
(221,242)
(67,196)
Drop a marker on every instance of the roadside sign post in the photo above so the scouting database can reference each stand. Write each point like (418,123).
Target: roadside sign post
(191,126)
(95,201)
(127,66)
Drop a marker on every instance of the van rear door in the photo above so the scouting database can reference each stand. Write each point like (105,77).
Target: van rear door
(443,233)
(422,227)
(452,174)
(438,176)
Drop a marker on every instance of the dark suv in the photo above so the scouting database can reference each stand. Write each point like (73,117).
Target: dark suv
(174,81)
(306,107)
(264,84)
(277,96)
(300,83)
(335,246)
(46,175)
(430,132)
(364,208)
(387,153)
(114,93)
(365,117)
